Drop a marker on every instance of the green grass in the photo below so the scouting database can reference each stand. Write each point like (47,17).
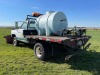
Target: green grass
(21,60)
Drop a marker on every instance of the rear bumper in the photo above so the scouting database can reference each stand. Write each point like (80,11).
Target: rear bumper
(77,42)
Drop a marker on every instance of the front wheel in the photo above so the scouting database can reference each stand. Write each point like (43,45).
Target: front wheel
(40,51)
(15,42)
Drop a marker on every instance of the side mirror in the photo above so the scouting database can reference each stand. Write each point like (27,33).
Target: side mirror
(16,25)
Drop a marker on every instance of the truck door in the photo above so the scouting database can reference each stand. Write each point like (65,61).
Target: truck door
(20,30)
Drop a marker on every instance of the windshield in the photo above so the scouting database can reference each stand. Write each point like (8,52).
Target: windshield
(24,25)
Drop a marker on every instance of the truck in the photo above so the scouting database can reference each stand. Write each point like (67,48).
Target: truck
(49,33)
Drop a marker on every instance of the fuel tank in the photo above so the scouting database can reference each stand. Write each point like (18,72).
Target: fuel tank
(51,23)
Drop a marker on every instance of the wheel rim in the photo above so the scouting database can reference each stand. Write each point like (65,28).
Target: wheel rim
(14,42)
(38,52)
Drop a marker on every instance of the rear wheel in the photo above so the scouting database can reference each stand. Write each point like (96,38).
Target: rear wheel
(41,52)
(15,42)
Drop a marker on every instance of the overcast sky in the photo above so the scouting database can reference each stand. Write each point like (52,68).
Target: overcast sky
(78,12)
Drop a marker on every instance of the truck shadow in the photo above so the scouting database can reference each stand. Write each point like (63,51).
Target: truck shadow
(87,61)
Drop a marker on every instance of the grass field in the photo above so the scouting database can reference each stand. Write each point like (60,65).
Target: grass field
(21,60)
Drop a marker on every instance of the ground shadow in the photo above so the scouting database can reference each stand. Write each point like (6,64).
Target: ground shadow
(25,45)
(88,61)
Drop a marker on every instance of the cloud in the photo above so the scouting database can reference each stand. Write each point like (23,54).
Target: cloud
(35,7)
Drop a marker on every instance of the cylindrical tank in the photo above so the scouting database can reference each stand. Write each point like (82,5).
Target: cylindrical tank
(51,22)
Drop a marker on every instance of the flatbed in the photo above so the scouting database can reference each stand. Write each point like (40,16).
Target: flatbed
(73,42)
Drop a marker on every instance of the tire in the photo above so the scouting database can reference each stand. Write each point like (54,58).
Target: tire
(40,51)
(15,42)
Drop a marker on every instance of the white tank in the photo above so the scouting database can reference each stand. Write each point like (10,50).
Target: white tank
(51,22)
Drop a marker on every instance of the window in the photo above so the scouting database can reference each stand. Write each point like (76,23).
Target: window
(24,25)
(31,25)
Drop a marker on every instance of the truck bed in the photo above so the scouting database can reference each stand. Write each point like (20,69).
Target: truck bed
(58,39)
(47,37)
